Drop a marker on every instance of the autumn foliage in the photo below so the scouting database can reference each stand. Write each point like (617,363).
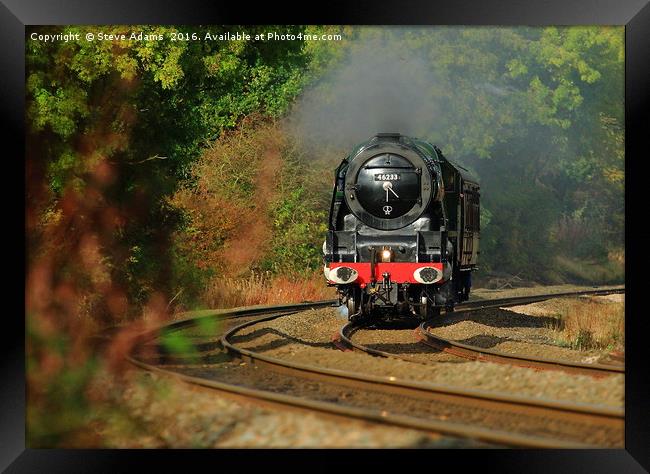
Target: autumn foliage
(168,176)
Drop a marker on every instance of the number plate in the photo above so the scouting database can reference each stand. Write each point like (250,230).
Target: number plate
(387,177)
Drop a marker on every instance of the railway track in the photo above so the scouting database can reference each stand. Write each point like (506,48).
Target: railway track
(538,363)
(489,417)
(344,340)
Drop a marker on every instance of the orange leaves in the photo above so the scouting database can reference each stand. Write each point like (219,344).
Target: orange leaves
(266,290)
(228,208)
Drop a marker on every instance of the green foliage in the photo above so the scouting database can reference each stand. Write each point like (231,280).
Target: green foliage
(584,340)
(59,109)
(207,325)
(60,169)
(486,217)
(58,406)
(299,214)
(539,109)
(187,276)
(539,112)
(149,108)
(299,232)
(518,237)
(588,272)
(178,344)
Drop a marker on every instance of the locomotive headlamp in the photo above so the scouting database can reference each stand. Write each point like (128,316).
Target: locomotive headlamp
(427,275)
(386,254)
(343,275)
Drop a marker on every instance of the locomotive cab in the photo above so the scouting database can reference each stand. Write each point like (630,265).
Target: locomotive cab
(399,230)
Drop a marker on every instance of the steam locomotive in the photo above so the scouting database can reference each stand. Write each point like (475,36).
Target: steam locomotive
(404,228)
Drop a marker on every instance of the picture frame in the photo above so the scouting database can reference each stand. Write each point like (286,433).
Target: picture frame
(15,15)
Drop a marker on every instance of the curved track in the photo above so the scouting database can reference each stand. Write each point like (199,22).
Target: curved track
(607,422)
(538,363)
(344,340)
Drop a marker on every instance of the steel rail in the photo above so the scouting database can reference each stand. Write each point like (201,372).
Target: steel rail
(510,404)
(610,417)
(519,300)
(344,338)
(376,416)
(538,363)
(194,318)
(191,318)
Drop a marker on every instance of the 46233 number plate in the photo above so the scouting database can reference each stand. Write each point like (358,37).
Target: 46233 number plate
(387,177)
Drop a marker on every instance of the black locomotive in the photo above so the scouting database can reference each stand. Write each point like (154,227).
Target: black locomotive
(404,229)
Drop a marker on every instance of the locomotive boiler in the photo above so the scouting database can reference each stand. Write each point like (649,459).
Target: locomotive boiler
(404,228)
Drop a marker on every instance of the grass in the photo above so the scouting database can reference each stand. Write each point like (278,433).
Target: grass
(587,324)
(609,271)
(265,289)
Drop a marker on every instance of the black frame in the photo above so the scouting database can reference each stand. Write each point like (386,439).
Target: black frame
(635,14)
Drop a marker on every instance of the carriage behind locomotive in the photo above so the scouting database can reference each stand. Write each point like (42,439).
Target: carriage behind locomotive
(403,229)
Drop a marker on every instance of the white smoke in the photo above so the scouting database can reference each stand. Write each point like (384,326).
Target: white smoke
(378,88)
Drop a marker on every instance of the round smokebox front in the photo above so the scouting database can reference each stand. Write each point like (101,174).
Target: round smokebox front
(388,186)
